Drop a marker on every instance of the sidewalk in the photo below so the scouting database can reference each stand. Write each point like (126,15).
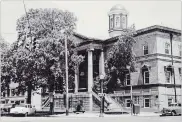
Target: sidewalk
(83,115)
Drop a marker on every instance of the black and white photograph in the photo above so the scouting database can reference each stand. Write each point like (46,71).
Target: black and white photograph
(90,60)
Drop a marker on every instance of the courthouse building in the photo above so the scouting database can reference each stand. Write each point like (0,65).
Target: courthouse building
(156,82)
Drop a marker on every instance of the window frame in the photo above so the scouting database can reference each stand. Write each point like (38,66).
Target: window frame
(180,50)
(144,77)
(167,48)
(145,49)
(145,102)
(117,24)
(126,79)
(169,77)
(111,22)
(169,102)
(126,102)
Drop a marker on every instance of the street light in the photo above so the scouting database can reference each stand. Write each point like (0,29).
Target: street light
(66,69)
(102,96)
(131,89)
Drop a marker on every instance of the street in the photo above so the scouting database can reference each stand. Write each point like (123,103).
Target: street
(108,118)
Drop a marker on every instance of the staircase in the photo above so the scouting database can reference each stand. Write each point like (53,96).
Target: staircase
(98,100)
(46,103)
(109,103)
(114,106)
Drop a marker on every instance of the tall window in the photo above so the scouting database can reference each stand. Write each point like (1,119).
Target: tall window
(170,100)
(111,23)
(145,49)
(180,73)
(146,77)
(124,22)
(13,92)
(180,50)
(167,47)
(168,76)
(147,102)
(128,103)
(127,79)
(117,21)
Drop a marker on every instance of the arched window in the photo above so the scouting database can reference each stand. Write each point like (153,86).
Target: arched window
(168,73)
(145,73)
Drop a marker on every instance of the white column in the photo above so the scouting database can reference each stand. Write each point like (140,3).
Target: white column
(76,79)
(101,64)
(90,78)
(90,70)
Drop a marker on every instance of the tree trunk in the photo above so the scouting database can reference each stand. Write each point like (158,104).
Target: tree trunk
(51,97)
(29,93)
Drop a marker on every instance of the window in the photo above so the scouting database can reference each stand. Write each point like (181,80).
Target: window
(111,23)
(124,22)
(13,92)
(145,49)
(3,102)
(146,77)
(127,79)
(117,21)
(22,101)
(128,103)
(170,100)
(180,50)
(12,101)
(147,102)
(167,46)
(136,100)
(168,76)
(4,94)
(180,71)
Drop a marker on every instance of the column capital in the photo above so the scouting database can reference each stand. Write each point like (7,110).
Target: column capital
(90,49)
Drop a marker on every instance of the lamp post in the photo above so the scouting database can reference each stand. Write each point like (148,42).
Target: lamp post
(66,70)
(102,95)
(131,89)
(66,67)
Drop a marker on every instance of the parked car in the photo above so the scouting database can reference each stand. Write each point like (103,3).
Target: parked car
(5,108)
(23,109)
(173,109)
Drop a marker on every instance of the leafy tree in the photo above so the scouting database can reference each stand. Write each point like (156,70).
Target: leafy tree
(45,65)
(120,55)
(5,65)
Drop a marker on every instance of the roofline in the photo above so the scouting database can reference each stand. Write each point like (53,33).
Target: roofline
(151,29)
(86,38)
(158,28)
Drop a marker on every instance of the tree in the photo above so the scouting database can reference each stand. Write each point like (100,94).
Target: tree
(45,65)
(5,65)
(120,55)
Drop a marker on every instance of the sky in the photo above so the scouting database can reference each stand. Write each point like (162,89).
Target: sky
(93,15)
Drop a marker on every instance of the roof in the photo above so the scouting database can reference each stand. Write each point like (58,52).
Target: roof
(85,37)
(150,29)
(153,28)
(117,7)
(158,28)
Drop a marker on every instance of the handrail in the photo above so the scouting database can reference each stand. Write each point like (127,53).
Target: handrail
(120,106)
(45,102)
(98,98)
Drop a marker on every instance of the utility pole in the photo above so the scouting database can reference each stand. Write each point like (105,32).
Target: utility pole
(171,37)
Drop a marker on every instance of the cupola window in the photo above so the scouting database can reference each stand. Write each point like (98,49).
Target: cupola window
(117,21)
(111,22)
